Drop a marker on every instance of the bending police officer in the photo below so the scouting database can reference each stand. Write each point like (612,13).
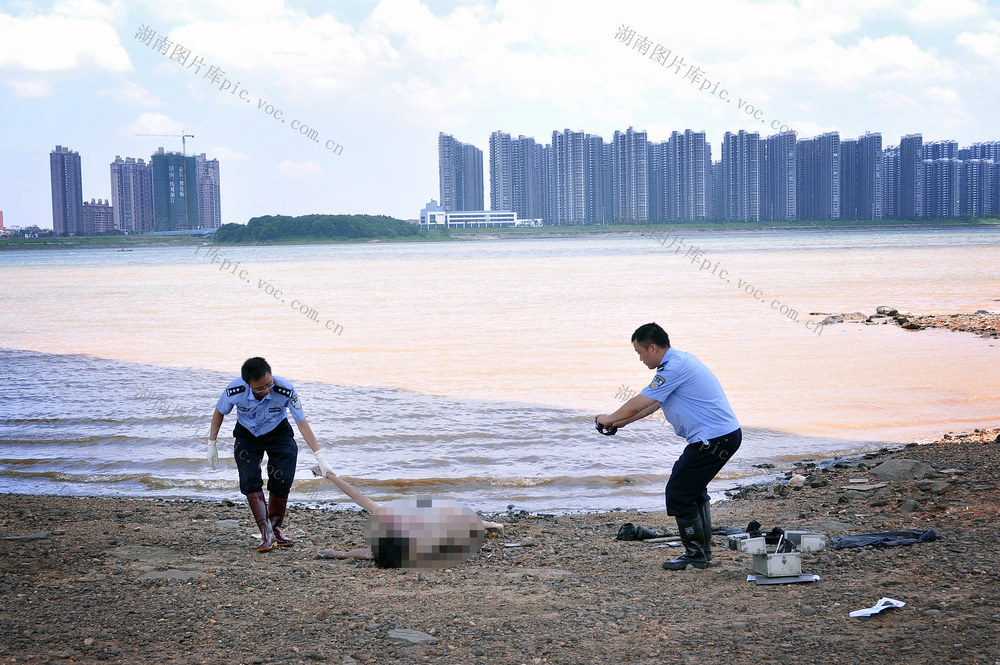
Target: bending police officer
(693,402)
(261,400)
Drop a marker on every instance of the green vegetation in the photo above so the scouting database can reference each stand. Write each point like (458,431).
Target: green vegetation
(310,228)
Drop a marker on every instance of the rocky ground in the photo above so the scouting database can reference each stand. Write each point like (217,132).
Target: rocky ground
(88,580)
(983,323)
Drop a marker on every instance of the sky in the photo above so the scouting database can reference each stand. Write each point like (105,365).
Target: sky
(374,82)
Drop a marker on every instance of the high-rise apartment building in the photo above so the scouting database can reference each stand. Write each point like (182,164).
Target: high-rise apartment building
(686,171)
(827,182)
(67,191)
(594,172)
(818,177)
(716,207)
(568,162)
(992,175)
(989,150)
(986,150)
(805,179)
(608,181)
(472,177)
(501,172)
(890,183)
(551,196)
(992,208)
(132,195)
(911,177)
(98,217)
(175,199)
(460,172)
(940,150)
(778,200)
(941,188)
(656,161)
(209,192)
(975,188)
(870,180)
(741,177)
(849,180)
(629,186)
(528,176)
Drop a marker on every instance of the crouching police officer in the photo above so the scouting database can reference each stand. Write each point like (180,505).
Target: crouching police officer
(262,427)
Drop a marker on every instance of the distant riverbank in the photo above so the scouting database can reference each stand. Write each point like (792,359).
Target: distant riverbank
(586,231)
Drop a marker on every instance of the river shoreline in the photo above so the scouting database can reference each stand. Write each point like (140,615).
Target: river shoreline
(144,581)
(118,243)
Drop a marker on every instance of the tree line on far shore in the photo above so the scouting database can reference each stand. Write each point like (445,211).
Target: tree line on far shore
(271,228)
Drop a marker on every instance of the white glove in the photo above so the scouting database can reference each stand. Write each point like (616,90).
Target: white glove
(213,454)
(324,467)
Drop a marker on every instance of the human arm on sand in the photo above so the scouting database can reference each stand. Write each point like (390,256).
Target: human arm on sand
(367,503)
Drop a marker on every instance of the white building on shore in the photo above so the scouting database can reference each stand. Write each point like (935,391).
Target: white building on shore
(433,217)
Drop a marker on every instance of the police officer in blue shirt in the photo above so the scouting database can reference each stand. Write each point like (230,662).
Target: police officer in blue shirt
(262,427)
(694,403)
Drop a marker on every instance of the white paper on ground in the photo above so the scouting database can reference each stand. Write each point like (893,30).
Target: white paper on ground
(783,580)
(878,607)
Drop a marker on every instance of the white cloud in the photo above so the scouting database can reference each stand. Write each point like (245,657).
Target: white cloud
(286,49)
(89,10)
(48,43)
(938,11)
(986,44)
(300,169)
(893,100)
(224,154)
(33,89)
(186,11)
(153,123)
(130,93)
(945,96)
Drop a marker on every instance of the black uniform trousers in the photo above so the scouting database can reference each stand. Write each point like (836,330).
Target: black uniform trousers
(282,451)
(694,469)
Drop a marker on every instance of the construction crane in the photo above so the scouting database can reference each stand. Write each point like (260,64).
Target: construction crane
(184,138)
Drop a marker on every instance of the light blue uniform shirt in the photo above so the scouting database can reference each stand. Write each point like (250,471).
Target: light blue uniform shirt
(691,398)
(260,416)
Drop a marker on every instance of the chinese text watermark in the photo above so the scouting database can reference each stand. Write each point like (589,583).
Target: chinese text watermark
(216,77)
(668,59)
(697,257)
(232,267)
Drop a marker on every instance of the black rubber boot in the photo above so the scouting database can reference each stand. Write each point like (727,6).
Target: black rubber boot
(693,537)
(276,515)
(258,506)
(705,511)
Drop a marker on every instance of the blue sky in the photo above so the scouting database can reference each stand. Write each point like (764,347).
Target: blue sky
(381,79)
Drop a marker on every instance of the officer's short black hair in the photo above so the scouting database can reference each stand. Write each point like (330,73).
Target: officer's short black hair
(255,369)
(651,333)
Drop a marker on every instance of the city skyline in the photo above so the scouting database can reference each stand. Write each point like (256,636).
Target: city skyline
(584,180)
(371,77)
(144,196)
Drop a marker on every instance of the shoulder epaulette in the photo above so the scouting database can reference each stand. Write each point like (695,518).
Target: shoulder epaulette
(287,392)
(236,390)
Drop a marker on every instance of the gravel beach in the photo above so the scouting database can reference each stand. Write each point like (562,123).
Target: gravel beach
(89,580)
